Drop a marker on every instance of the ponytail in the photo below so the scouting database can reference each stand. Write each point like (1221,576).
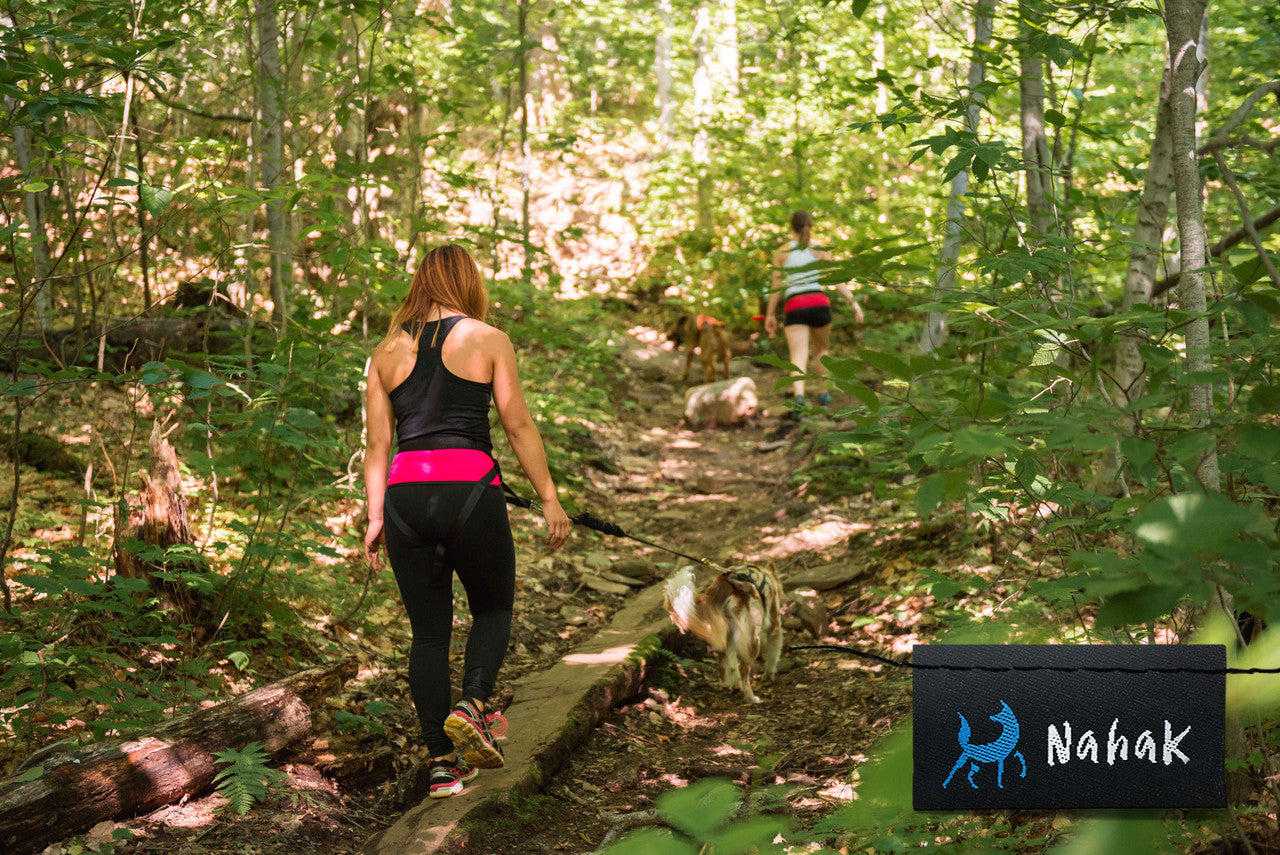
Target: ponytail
(801,223)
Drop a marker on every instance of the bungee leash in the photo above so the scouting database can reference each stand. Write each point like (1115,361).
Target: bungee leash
(1105,669)
(587,520)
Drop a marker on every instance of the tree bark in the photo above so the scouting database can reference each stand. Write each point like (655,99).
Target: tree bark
(702,107)
(1144,257)
(1035,143)
(271,156)
(34,204)
(158,518)
(111,781)
(526,160)
(1182,23)
(935,325)
(662,71)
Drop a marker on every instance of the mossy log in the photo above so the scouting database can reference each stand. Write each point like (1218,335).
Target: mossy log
(112,781)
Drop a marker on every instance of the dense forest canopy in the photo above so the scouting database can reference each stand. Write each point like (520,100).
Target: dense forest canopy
(1061,218)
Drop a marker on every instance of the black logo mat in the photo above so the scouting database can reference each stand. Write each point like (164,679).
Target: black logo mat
(1059,726)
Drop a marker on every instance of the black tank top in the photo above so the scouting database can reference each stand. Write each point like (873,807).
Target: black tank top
(435,408)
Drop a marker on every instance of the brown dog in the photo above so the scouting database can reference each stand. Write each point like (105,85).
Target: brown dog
(706,335)
(739,614)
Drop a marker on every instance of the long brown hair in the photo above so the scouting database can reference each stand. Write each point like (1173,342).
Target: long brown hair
(447,278)
(800,224)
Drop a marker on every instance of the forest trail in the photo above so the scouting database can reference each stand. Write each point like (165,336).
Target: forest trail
(727,495)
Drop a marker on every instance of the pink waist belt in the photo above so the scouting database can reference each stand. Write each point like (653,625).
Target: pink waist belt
(807,300)
(441,464)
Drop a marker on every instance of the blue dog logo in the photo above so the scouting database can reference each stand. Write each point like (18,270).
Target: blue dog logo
(991,752)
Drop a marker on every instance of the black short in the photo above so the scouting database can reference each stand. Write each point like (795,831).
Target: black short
(810,316)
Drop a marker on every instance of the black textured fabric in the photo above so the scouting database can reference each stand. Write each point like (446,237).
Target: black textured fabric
(481,552)
(435,408)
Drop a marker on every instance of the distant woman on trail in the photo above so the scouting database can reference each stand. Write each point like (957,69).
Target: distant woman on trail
(431,380)
(807,310)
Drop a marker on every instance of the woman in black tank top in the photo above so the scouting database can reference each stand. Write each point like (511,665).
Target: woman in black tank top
(438,506)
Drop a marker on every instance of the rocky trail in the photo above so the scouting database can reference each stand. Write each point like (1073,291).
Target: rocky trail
(729,495)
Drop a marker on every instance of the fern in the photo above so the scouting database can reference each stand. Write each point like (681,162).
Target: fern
(247,778)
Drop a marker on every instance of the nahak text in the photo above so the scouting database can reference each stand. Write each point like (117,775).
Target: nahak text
(1062,748)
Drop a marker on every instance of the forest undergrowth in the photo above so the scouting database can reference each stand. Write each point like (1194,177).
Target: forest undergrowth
(861,567)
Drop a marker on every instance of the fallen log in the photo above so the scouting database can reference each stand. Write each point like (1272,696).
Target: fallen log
(112,781)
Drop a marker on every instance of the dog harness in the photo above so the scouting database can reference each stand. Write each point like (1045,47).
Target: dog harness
(758,584)
(708,321)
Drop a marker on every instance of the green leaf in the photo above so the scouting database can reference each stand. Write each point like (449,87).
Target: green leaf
(238,658)
(37,186)
(929,493)
(31,774)
(652,841)
(154,200)
(701,808)
(886,362)
(753,835)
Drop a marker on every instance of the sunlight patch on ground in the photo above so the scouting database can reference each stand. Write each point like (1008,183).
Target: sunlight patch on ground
(819,537)
(704,497)
(607,657)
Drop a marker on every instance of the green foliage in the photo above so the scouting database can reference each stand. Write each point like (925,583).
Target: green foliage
(702,816)
(247,778)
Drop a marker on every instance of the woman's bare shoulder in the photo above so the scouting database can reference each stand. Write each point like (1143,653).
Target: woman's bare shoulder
(480,334)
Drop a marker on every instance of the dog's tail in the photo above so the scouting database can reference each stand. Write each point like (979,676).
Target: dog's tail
(679,596)
(964,730)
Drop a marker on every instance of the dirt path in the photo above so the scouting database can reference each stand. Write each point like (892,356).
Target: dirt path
(729,496)
(726,495)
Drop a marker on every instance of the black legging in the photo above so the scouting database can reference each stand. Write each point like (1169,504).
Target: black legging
(483,556)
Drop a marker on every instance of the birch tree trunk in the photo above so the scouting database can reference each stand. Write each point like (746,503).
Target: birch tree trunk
(1182,23)
(271,157)
(702,104)
(662,71)
(935,325)
(1035,143)
(1139,281)
(35,205)
(526,163)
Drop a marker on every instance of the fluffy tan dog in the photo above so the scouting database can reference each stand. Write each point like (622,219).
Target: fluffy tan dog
(738,614)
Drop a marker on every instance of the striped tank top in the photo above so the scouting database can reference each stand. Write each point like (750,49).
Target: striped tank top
(800,281)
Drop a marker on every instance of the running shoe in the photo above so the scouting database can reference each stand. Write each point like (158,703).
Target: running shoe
(475,734)
(448,776)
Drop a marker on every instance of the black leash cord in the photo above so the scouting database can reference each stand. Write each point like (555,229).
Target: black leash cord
(1002,668)
(587,520)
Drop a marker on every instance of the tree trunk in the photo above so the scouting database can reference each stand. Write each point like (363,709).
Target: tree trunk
(1139,281)
(526,161)
(159,519)
(702,105)
(1182,22)
(662,71)
(1035,143)
(117,780)
(35,206)
(271,156)
(935,327)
